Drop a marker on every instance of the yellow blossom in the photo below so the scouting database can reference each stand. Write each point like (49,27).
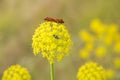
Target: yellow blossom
(117,37)
(86,36)
(84,54)
(89,46)
(97,27)
(16,72)
(91,71)
(117,47)
(100,51)
(108,40)
(110,74)
(52,40)
(117,63)
(112,29)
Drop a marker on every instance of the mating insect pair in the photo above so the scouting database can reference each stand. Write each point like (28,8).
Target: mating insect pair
(54,20)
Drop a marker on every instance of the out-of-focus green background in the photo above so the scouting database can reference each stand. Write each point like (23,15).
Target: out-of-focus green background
(20,18)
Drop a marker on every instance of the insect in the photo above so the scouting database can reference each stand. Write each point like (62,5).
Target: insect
(54,20)
(56,37)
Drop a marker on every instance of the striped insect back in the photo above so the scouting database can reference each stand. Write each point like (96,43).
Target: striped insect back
(54,20)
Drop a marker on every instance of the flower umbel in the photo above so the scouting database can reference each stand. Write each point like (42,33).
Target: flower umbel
(52,40)
(91,71)
(16,72)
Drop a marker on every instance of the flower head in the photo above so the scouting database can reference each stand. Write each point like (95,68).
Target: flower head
(16,72)
(91,71)
(52,40)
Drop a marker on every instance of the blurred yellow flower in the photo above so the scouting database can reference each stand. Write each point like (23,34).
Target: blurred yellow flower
(100,51)
(99,39)
(91,71)
(97,27)
(52,40)
(110,74)
(89,46)
(112,29)
(117,37)
(86,36)
(108,40)
(16,72)
(117,63)
(117,47)
(84,54)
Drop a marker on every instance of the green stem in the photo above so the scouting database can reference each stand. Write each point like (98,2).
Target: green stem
(52,71)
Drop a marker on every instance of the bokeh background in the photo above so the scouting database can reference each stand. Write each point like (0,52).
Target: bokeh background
(20,18)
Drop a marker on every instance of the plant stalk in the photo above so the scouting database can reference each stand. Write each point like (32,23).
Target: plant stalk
(52,71)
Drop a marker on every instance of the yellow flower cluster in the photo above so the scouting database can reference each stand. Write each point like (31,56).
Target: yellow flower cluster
(91,71)
(16,72)
(100,39)
(52,40)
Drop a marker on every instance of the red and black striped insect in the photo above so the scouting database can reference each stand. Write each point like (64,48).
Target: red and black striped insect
(54,20)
